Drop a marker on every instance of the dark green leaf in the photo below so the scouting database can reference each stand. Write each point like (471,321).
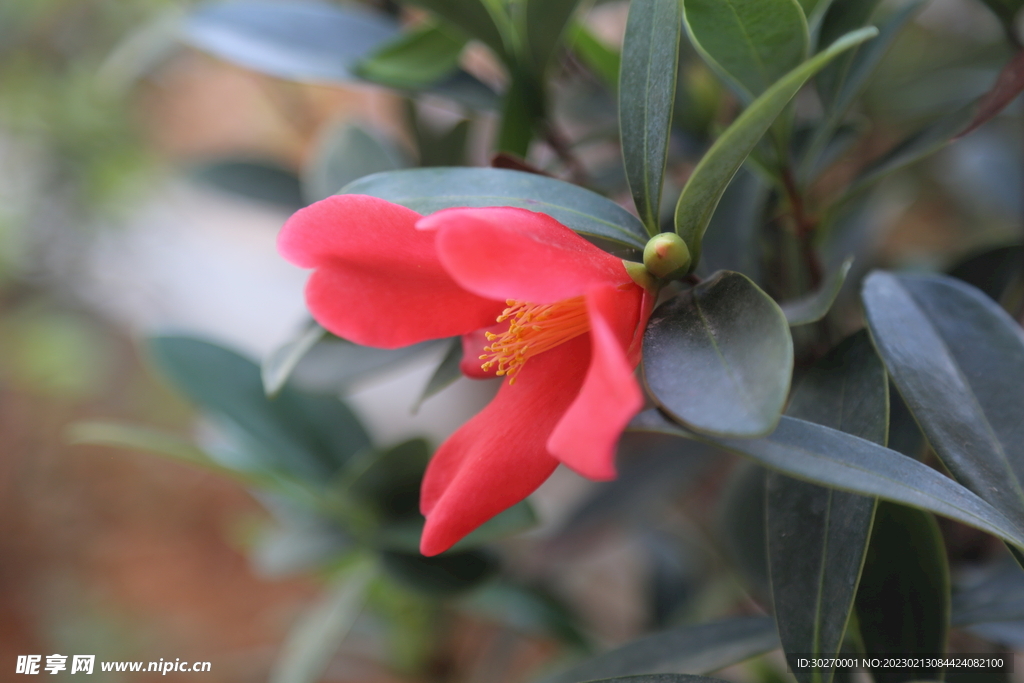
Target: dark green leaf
(545,23)
(647,88)
(828,457)
(347,154)
(1007,11)
(957,359)
(817,536)
(741,528)
(733,238)
(277,367)
(522,111)
(704,648)
(997,596)
(815,306)
(387,482)
(903,599)
(310,436)
(599,58)
(441,575)
(706,185)
(991,270)
(842,17)
(473,17)
(527,609)
(438,148)
(446,373)
(431,189)
(417,59)
(661,678)
(750,43)
(719,357)
(299,40)
(263,181)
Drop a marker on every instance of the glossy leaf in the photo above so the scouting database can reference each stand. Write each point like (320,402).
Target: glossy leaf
(816,305)
(817,537)
(264,181)
(751,43)
(278,365)
(432,189)
(957,359)
(308,435)
(719,357)
(828,457)
(903,598)
(473,17)
(417,59)
(299,40)
(706,185)
(348,153)
(647,88)
(447,372)
(311,643)
(703,648)
(546,22)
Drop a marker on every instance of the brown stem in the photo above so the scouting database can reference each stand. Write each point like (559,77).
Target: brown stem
(805,227)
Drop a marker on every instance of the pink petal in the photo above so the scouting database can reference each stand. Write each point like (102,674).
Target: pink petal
(509,253)
(499,457)
(587,435)
(378,280)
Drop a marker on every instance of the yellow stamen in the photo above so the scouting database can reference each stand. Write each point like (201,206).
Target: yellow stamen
(533,329)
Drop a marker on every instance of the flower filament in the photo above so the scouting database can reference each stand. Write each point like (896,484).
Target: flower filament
(533,329)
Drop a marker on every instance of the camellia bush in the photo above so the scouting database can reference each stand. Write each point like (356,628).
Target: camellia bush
(668,255)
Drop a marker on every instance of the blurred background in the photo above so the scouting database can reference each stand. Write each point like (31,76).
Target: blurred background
(143,179)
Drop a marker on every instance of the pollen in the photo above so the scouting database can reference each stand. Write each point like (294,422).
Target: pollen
(533,329)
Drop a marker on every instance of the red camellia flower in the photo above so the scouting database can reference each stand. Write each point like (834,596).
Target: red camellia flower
(534,302)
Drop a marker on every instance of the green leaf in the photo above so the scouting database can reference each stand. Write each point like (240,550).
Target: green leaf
(903,598)
(473,17)
(299,40)
(957,359)
(310,436)
(828,457)
(719,357)
(733,238)
(136,437)
(263,181)
(706,185)
(278,365)
(741,528)
(750,43)
(520,113)
(447,372)
(998,596)
(816,305)
(1006,10)
(647,89)
(991,270)
(428,190)
(817,537)
(311,643)
(842,17)
(545,23)
(417,59)
(704,647)
(442,575)
(346,154)
(334,364)
(599,58)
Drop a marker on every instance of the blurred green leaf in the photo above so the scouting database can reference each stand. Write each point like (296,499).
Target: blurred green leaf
(310,436)
(419,58)
(828,457)
(546,22)
(957,359)
(1006,11)
(521,113)
(732,241)
(719,357)
(447,372)
(442,575)
(599,58)
(749,43)
(447,148)
(313,640)
(817,537)
(428,190)
(263,181)
(903,598)
(299,40)
(997,596)
(816,305)
(348,153)
(701,647)
(526,609)
(278,365)
(991,270)
(647,86)
(706,185)
(334,364)
(473,17)
(387,481)
(136,437)
(741,528)
(842,17)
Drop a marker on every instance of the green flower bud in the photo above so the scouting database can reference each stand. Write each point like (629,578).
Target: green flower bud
(666,256)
